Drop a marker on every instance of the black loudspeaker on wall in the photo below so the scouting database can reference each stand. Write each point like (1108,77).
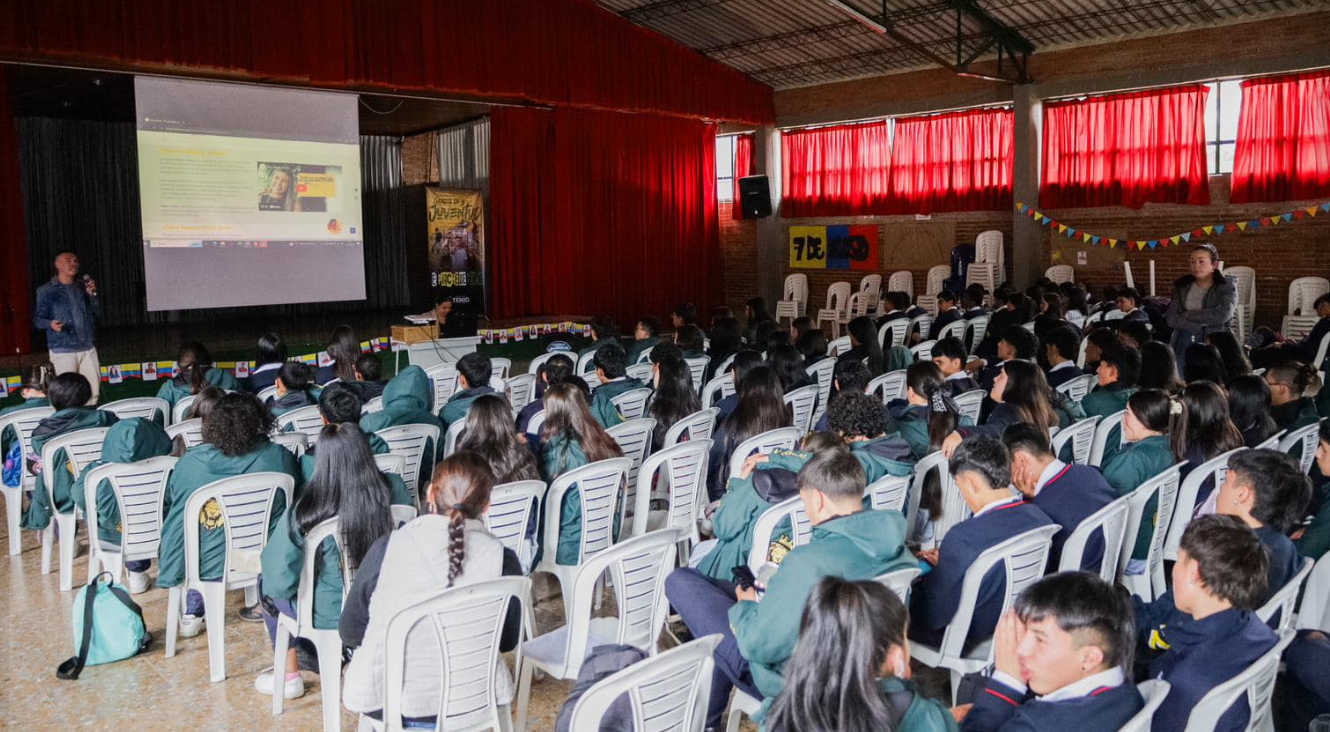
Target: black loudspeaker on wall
(755,197)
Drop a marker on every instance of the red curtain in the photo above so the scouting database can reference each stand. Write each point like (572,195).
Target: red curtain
(549,51)
(743,166)
(1283,147)
(602,213)
(15,313)
(1126,150)
(962,161)
(836,171)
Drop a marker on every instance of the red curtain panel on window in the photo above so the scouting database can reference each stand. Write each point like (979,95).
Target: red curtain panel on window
(743,166)
(1283,146)
(1126,150)
(836,171)
(602,213)
(961,161)
(15,328)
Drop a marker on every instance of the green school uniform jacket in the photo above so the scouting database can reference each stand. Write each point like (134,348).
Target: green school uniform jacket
(732,524)
(860,546)
(406,400)
(1133,465)
(636,348)
(592,348)
(401,495)
(455,409)
(923,714)
(1103,401)
(174,390)
(129,441)
(1315,539)
(199,467)
(561,454)
(602,408)
(282,558)
(910,421)
(62,422)
(8,437)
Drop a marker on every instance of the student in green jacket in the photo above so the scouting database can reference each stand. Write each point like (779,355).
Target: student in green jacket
(850,669)
(760,630)
(1119,368)
(928,414)
(406,400)
(1292,385)
(603,333)
(196,373)
(294,384)
(610,369)
(572,438)
(691,341)
(347,486)
(33,393)
(68,393)
(646,335)
(340,404)
(1155,429)
(473,382)
(1314,540)
(235,442)
(129,441)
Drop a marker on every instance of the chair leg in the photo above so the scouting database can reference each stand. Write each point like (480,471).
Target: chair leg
(523,694)
(67,527)
(251,595)
(735,717)
(505,715)
(329,647)
(94,563)
(172,619)
(214,612)
(13,505)
(48,539)
(279,647)
(956,677)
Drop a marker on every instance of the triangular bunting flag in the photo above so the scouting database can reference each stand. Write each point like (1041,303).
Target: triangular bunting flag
(1254,224)
(1048,221)
(1030,212)
(1219,229)
(1299,214)
(1208,230)
(1020,207)
(1062,228)
(1085,237)
(1311,210)
(1325,207)
(1070,232)
(1287,217)
(1153,243)
(1112,243)
(1274,220)
(1094,240)
(1174,239)
(1242,225)
(1140,245)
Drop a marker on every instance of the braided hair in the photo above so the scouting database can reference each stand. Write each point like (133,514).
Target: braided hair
(460,489)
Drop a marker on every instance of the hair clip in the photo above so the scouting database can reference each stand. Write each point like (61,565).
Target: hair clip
(1174,407)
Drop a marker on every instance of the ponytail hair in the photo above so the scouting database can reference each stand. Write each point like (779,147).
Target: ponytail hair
(1162,413)
(460,489)
(38,376)
(925,379)
(1303,380)
(195,362)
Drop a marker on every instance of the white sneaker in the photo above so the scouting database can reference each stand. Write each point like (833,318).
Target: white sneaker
(190,625)
(293,689)
(138,583)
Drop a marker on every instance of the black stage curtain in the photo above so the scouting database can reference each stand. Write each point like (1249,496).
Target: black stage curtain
(81,192)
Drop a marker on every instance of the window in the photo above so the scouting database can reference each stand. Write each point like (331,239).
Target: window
(1222,109)
(725,167)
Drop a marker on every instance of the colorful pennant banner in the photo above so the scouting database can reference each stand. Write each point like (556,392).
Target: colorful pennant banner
(1208,230)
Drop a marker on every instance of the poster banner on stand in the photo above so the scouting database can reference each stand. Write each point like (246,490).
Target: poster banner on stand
(457,248)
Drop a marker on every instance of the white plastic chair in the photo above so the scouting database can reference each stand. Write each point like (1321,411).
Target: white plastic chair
(182,406)
(443,379)
(466,623)
(977,327)
(838,307)
(141,407)
(637,567)
(1060,273)
(824,374)
(1257,683)
(632,404)
(410,441)
(266,393)
(500,367)
(838,346)
(307,420)
(1102,430)
(395,464)
(989,267)
(889,492)
(643,372)
(697,367)
(920,324)
(533,368)
(870,292)
(1081,436)
(1315,611)
(1285,598)
(1022,558)
(138,488)
(520,390)
(327,642)
(899,329)
(1077,387)
(599,486)
(512,505)
(246,501)
(937,279)
(971,404)
(1245,314)
(803,402)
(644,357)
(1153,692)
(782,438)
(801,529)
(903,281)
(634,438)
(668,693)
(1271,442)
(1304,437)
(954,508)
(296,442)
(536,424)
(717,389)
(697,426)
(1111,522)
(794,304)
(954,329)
(23,422)
(923,351)
(1186,504)
(1303,292)
(899,582)
(81,448)
(190,430)
(451,436)
(890,385)
(682,472)
(586,364)
(1150,584)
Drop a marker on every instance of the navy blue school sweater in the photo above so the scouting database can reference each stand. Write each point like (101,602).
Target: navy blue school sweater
(935,598)
(942,320)
(988,377)
(1070,497)
(1284,559)
(1000,708)
(1203,654)
(1059,376)
(960,385)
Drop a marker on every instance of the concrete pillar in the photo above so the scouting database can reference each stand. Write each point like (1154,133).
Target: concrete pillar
(1026,264)
(771,256)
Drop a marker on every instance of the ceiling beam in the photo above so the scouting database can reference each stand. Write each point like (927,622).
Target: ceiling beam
(666,8)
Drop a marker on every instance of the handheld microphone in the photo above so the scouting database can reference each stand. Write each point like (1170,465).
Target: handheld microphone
(88,283)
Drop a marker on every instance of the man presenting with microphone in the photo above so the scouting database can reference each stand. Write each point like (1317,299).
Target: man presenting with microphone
(68,309)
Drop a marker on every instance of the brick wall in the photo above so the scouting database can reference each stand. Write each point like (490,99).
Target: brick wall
(420,160)
(738,247)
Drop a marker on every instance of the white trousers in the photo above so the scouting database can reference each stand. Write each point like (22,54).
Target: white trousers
(82,362)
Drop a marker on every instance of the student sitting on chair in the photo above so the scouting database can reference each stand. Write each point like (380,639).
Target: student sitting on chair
(1061,657)
(1218,582)
(982,470)
(1022,396)
(674,397)
(1016,343)
(691,341)
(1061,346)
(760,630)
(489,433)
(726,339)
(610,369)
(1155,430)
(33,392)
(972,302)
(949,355)
(572,438)
(406,400)
(293,383)
(554,370)
(848,377)
(1133,334)
(473,381)
(1314,540)
(1095,343)
(196,373)
(68,393)
(368,383)
(271,354)
(1159,370)
(928,414)
(338,404)
(1118,369)
(1293,386)
(812,346)
(1279,350)
(1069,494)
(602,332)
(685,313)
(850,669)
(645,335)
(947,313)
(894,305)
(343,349)
(1210,433)
(761,408)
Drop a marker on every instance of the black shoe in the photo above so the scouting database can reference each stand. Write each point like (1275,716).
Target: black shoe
(253,614)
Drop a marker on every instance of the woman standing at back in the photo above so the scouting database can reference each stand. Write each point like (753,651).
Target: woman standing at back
(1203,302)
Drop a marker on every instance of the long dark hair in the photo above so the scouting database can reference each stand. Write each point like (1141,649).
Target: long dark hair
(1249,406)
(1154,409)
(1054,309)
(761,407)
(864,331)
(675,397)
(1230,354)
(344,350)
(926,380)
(1209,428)
(195,362)
(726,338)
(346,484)
(566,413)
(460,489)
(1202,363)
(788,364)
(271,349)
(489,432)
(237,424)
(1028,392)
(1159,368)
(845,634)
(812,344)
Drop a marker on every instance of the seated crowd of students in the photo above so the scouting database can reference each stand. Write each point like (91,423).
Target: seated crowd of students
(812,637)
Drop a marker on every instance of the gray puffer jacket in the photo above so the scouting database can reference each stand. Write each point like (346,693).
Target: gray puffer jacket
(1217,307)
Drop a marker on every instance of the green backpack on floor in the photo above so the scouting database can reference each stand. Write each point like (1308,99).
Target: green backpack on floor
(108,627)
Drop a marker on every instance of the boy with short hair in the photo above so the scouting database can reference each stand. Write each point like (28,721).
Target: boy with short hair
(1015,342)
(473,381)
(293,381)
(555,369)
(602,332)
(1061,346)
(949,355)
(946,313)
(646,335)
(369,380)
(613,375)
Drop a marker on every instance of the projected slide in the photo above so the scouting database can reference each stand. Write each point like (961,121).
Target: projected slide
(250,195)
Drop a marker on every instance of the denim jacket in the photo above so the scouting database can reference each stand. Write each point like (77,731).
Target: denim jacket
(73,307)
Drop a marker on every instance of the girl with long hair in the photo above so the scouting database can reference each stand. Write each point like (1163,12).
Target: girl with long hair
(348,486)
(864,345)
(929,413)
(761,408)
(446,546)
(1203,363)
(812,344)
(850,670)
(788,364)
(572,438)
(196,373)
(1292,387)
(1155,430)
(755,310)
(270,354)
(344,349)
(489,432)
(1022,394)
(1249,408)
(674,397)
(690,340)
(726,340)
(1230,354)
(1159,368)
(1210,432)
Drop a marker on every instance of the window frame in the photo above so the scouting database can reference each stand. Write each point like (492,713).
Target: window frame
(1214,138)
(725,184)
